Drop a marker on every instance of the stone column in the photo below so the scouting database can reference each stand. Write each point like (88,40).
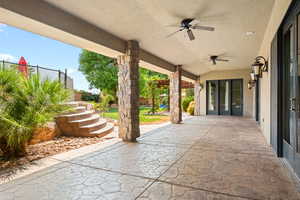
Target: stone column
(175,96)
(197,90)
(128,93)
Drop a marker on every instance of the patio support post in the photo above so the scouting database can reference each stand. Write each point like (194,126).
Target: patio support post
(197,90)
(128,92)
(175,96)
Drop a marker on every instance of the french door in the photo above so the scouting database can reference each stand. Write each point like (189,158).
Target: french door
(224,97)
(290,54)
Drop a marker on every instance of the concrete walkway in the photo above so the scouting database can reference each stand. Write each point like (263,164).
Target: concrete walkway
(204,158)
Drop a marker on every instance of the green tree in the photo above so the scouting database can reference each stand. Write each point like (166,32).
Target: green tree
(100,71)
(150,88)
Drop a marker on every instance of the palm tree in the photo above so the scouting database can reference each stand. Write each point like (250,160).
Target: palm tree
(26,104)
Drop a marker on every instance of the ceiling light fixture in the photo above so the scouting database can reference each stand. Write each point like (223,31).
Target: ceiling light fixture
(249,33)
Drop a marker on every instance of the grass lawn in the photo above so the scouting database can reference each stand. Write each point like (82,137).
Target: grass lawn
(144,118)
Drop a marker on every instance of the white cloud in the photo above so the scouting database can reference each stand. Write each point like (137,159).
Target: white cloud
(7,57)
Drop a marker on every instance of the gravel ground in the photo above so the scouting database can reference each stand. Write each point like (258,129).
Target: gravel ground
(45,149)
(59,145)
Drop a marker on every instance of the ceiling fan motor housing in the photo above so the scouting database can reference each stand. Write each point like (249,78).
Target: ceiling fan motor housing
(185,23)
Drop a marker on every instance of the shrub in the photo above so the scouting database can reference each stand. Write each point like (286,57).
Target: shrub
(191,108)
(105,103)
(185,102)
(86,96)
(26,104)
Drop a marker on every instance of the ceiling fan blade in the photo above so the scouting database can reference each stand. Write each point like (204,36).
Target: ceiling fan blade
(174,33)
(190,34)
(214,62)
(223,60)
(173,25)
(206,28)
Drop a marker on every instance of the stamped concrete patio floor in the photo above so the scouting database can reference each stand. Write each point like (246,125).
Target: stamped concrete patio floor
(203,158)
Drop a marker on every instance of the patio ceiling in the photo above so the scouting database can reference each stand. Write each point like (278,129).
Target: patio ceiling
(147,22)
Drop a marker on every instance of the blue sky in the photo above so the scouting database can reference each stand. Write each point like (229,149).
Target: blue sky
(42,51)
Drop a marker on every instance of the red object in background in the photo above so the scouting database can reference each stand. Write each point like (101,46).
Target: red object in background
(23,66)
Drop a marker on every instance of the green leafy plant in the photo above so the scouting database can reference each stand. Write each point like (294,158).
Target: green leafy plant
(186,101)
(26,104)
(86,96)
(191,108)
(104,104)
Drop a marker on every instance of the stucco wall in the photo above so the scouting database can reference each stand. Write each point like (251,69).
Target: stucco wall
(230,74)
(279,9)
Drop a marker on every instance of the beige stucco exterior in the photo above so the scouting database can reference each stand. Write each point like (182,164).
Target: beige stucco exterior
(232,74)
(278,12)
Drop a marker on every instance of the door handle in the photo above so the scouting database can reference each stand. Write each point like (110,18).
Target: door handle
(293,104)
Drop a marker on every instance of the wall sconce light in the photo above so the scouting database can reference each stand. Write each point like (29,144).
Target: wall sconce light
(251,84)
(259,66)
(200,86)
(253,76)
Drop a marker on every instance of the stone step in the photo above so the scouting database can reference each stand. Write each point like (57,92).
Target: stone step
(79,109)
(104,131)
(72,104)
(86,121)
(78,116)
(93,127)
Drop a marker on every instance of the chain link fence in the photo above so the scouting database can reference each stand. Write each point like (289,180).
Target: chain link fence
(44,73)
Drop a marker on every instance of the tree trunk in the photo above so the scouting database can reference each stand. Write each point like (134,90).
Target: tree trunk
(153,102)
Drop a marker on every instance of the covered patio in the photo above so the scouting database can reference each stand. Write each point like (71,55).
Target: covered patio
(204,158)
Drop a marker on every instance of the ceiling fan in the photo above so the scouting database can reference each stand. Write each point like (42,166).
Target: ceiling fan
(215,58)
(188,24)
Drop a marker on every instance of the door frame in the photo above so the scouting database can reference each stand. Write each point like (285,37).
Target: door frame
(257,101)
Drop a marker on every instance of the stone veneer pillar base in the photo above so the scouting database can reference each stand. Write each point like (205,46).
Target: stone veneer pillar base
(197,90)
(175,96)
(128,92)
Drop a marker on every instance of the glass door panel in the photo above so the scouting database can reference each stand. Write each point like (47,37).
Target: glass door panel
(237,97)
(212,97)
(224,97)
(290,106)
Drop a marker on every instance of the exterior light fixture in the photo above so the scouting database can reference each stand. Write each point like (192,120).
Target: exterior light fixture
(200,86)
(253,76)
(259,66)
(250,84)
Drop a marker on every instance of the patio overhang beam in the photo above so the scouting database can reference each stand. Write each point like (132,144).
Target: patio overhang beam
(47,14)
